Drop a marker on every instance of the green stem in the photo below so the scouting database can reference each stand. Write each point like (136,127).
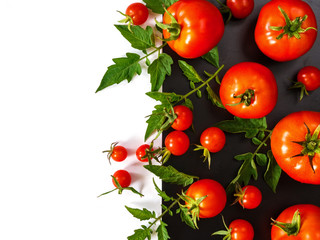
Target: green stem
(156,50)
(263,142)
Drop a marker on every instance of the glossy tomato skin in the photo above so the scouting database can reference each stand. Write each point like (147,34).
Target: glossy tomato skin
(138,12)
(177,142)
(251,197)
(241,230)
(213,139)
(141,152)
(202,27)
(310,223)
(184,118)
(249,76)
(123,177)
(284,49)
(119,153)
(286,133)
(309,76)
(216,198)
(240,8)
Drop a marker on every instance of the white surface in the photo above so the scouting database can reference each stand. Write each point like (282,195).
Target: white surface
(53,127)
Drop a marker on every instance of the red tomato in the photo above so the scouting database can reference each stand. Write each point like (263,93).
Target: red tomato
(250,197)
(117,153)
(201,27)
(284,39)
(141,152)
(309,76)
(213,139)
(184,118)
(123,177)
(138,12)
(249,90)
(177,143)
(309,228)
(240,8)
(216,198)
(295,145)
(241,230)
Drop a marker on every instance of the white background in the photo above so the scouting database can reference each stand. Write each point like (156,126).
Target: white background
(54,127)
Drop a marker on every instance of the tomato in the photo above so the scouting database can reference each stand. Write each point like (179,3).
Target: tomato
(285,34)
(249,90)
(177,143)
(303,221)
(138,13)
(238,229)
(141,152)
(117,153)
(249,197)
(215,201)
(240,8)
(309,76)
(123,177)
(184,118)
(197,28)
(213,139)
(295,145)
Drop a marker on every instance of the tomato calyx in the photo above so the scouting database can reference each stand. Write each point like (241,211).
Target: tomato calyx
(128,20)
(293,27)
(303,90)
(247,98)
(311,145)
(206,153)
(174,28)
(239,194)
(226,233)
(292,228)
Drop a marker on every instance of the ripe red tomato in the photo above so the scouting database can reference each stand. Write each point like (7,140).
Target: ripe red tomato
(141,152)
(177,142)
(295,145)
(213,139)
(138,12)
(286,35)
(117,153)
(238,229)
(216,198)
(309,76)
(309,227)
(249,197)
(249,90)
(240,8)
(200,29)
(184,118)
(123,177)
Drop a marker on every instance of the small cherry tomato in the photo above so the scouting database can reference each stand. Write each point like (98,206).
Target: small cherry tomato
(177,142)
(240,8)
(238,229)
(117,153)
(249,197)
(138,12)
(213,139)
(184,118)
(141,152)
(123,177)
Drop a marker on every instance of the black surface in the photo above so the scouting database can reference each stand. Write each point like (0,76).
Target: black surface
(238,45)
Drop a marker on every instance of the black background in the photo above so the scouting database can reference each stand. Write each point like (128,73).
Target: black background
(238,45)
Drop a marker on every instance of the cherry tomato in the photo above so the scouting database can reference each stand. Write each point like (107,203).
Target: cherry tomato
(177,142)
(213,139)
(184,118)
(123,177)
(238,229)
(138,12)
(309,76)
(141,152)
(216,198)
(200,29)
(307,215)
(249,197)
(249,90)
(117,153)
(285,30)
(295,145)
(240,8)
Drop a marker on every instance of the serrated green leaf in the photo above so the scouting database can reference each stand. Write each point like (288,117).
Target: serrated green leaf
(170,175)
(186,217)
(214,97)
(250,127)
(164,97)
(143,214)
(139,38)
(124,69)
(155,120)
(212,57)
(189,72)
(162,231)
(157,5)
(273,172)
(159,69)
(141,234)
(261,159)
(161,193)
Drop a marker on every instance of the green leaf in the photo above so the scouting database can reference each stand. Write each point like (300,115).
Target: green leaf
(188,103)
(157,5)
(162,194)
(143,214)
(189,72)
(139,38)
(214,97)
(212,57)
(273,172)
(164,97)
(170,175)
(162,231)
(250,127)
(124,69)
(158,70)
(186,217)
(261,159)
(141,234)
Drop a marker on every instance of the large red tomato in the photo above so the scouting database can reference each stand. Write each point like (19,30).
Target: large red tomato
(199,27)
(249,90)
(302,221)
(295,144)
(285,30)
